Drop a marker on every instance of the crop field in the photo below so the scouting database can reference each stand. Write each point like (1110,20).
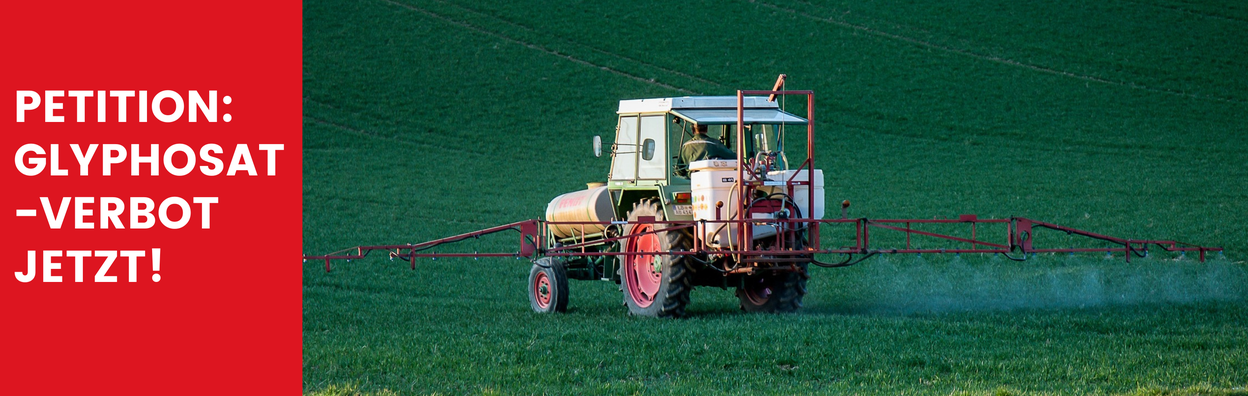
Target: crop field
(429,118)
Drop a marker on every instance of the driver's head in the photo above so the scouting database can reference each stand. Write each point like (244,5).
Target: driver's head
(699,130)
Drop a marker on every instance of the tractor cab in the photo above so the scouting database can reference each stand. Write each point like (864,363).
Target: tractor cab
(646,154)
(651,132)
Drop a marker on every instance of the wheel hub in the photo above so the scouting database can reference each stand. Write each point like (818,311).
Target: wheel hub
(759,290)
(644,270)
(541,288)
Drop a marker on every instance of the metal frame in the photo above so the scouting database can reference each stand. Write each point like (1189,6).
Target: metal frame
(746,188)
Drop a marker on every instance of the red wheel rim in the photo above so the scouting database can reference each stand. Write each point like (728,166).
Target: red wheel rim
(541,290)
(758,290)
(643,278)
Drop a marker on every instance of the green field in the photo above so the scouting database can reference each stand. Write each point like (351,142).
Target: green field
(428,118)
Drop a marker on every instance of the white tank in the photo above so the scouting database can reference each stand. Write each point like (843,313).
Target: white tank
(592,205)
(801,193)
(713,181)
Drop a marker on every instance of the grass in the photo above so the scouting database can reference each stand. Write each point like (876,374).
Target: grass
(426,118)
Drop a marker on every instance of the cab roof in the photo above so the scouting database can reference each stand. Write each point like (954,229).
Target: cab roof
(714,110)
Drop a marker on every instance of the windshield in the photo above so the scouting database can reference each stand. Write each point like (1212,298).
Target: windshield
(760,138)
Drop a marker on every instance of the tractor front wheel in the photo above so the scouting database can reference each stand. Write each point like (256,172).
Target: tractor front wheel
(654,283)
(548,286)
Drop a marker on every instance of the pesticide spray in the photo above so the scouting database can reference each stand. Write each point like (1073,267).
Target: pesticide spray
(932,284)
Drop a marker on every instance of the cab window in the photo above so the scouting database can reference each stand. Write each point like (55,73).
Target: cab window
(624,161)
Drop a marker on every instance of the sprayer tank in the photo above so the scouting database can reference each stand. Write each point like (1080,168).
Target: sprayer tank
(591,205)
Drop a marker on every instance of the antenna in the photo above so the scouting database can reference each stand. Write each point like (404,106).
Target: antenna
(779,84)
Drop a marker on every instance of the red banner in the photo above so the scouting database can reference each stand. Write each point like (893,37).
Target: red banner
(152,205)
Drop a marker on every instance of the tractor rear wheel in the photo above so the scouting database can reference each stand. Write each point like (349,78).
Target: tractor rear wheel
(654,284)
(548,286)
(773,291)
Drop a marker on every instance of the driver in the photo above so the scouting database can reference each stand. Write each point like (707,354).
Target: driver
(701,147)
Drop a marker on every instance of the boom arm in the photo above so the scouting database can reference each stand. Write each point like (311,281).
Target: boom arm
(1019,238)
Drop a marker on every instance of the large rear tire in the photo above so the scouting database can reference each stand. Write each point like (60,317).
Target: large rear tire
(775,291)
(654,284)
(548,286)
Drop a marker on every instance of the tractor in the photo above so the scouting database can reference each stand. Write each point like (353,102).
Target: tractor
(661,224)
(653,205)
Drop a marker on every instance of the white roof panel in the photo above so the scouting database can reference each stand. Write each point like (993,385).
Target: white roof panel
(693,102)
(729,116)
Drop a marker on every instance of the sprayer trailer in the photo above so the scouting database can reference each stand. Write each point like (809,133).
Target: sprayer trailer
(724,191)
